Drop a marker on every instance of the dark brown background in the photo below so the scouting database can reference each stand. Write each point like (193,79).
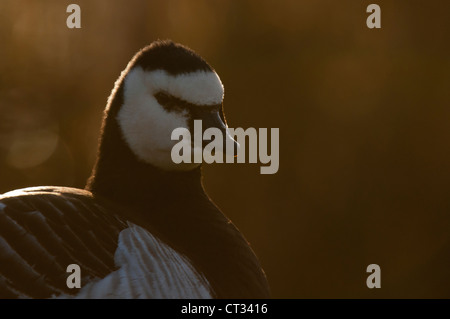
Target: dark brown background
(363,117)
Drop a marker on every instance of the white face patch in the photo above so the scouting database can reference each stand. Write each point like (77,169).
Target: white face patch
(201,87)
(147,126)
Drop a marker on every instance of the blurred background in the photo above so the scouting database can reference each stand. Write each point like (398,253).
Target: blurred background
(363,115)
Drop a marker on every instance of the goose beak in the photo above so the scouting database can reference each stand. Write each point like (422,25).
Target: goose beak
(230,145)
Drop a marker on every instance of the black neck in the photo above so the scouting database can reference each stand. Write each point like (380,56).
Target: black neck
(131,182)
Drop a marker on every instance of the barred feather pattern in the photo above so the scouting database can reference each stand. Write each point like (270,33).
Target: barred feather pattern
(45,229)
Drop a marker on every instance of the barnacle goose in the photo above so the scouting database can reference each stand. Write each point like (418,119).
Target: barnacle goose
(143,227)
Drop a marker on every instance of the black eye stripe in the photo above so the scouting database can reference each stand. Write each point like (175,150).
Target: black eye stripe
(175,104)
(169,102)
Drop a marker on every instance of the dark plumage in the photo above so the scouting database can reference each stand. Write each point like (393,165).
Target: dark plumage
(42,230)
(172,57)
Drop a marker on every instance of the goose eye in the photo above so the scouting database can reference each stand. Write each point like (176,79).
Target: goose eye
(170,103)
(173,104)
